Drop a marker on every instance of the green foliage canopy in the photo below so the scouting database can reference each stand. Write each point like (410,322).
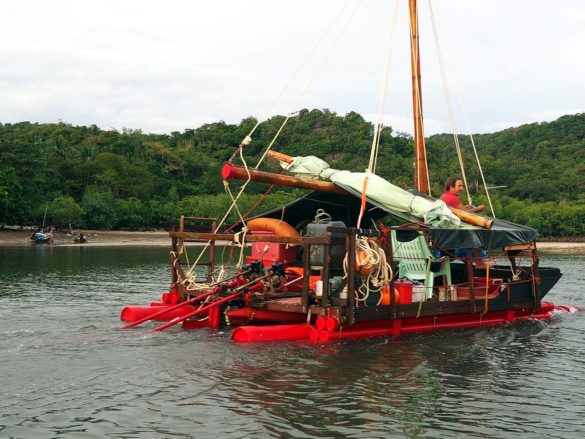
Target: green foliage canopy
(108,179)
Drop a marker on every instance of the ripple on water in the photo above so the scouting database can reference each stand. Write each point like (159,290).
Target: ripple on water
(67,370)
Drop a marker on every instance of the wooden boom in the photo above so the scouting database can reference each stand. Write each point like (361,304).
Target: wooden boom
(230,171)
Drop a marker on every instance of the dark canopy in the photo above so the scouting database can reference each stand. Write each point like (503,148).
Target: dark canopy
(346,208)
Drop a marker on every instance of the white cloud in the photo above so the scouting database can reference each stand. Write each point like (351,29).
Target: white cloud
(142,64)
(537,116)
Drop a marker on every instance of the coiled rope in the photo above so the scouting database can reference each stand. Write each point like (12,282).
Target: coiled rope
(380,271)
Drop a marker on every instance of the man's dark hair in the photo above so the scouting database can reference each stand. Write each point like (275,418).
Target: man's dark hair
(451,181)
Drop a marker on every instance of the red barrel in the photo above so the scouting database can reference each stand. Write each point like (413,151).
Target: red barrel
(404,288)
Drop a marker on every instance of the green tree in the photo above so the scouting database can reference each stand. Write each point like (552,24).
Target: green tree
(130,214)
(13,205)
(63,211)
(99,209)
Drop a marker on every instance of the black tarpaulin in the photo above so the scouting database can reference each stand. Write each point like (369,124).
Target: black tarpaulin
(346,208)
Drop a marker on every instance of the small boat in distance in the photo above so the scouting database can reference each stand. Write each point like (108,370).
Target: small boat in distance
(39,236)
(80,238)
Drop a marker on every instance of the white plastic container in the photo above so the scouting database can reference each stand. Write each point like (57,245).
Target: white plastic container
(319,288)
(418,293)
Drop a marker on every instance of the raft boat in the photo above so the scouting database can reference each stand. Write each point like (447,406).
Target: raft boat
(313,272)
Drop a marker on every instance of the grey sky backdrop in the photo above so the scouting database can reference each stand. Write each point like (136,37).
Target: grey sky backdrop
(168,66)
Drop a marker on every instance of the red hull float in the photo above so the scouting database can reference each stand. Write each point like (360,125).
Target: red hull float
(132,314)
(324,330)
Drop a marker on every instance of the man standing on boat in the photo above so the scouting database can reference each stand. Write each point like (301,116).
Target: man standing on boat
(453,189)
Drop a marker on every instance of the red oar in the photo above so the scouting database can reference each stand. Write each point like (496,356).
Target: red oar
(179,305)
(165,310)
(237,292)
(196,312)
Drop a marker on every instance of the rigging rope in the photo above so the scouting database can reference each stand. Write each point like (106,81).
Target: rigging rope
(487,192)
(364,202)
(248,138)
(234,202)
(378,126)
(289,81)
(464,118)
(449,104)
(312,78)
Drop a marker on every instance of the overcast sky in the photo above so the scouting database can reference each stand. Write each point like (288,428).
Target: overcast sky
(168,66)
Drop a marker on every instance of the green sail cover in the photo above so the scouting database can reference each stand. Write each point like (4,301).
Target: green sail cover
(446,231)
(383,193)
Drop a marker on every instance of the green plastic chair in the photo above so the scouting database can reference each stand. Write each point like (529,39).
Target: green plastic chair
(415,259)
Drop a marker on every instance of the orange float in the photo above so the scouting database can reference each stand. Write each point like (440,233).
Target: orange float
(299,271)
(272,225)
(386,296)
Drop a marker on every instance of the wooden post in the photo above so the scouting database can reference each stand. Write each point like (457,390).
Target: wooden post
(389,250)
(175,275)
(325,300)
(420,171)
(307,273)
(535,277)
(470,272)
(351,276)
(230,171)
(211,267)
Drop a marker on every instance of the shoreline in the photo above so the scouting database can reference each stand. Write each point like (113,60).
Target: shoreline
(95,238)
(160,238)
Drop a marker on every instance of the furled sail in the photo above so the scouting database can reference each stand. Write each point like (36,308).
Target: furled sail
(435,213)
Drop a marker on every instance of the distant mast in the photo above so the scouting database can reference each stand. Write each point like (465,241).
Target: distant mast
(420,161)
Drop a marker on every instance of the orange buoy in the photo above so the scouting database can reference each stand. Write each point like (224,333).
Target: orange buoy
(299,271)
(386,295)
(272,225)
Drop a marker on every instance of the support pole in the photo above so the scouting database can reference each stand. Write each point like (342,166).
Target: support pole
(470,273)
(351,277)
(535,277)
(420,172)
(307,273)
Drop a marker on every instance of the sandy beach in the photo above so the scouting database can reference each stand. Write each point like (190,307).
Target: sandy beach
(94,238)
(161,238)
(565,248)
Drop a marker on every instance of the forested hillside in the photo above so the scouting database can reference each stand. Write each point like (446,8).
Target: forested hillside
(107,179)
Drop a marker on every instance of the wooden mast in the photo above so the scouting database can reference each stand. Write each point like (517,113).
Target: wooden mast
(420,161)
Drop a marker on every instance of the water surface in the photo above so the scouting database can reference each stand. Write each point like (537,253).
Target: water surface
(68,372)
